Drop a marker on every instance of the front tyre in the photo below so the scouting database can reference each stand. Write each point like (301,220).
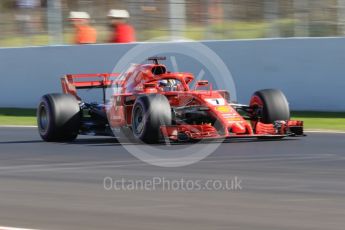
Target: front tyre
(58,117)
(269,105)
(149,113)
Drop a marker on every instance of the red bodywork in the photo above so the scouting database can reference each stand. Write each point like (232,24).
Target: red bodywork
(142,79)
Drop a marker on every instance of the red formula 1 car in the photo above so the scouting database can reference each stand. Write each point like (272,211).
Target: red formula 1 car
(150,104)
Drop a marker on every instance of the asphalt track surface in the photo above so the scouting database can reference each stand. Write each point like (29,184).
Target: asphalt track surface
(289,184)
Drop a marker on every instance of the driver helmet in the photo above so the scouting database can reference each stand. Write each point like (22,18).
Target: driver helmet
(168,84)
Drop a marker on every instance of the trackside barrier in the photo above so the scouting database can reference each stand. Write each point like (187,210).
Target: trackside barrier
(310,71)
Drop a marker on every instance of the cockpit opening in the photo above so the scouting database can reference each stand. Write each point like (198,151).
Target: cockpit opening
(169,85)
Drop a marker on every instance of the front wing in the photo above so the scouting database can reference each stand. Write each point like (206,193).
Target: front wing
(187,132)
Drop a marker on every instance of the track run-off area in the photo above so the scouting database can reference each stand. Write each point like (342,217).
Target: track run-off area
(294,183)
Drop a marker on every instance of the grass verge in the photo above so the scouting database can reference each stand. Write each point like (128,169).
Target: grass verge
(321,120)
(312,120)
(15,116)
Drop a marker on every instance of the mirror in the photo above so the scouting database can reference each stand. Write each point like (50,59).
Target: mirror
(202,83)
(149,85)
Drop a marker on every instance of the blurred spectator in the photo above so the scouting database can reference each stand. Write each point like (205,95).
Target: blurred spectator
(215,11)
(84,32)
(28,3)
(26,17)
(122,32)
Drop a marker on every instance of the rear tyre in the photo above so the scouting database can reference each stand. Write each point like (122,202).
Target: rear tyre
(149,113)
(58,117)
(269,105)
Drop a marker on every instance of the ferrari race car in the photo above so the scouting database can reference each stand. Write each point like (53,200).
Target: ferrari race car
(149,104)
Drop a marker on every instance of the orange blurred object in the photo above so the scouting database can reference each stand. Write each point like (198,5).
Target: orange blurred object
(85,34)
(123,33)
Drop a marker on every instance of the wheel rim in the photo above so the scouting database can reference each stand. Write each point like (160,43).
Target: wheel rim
(43,118)
(257,104)
(138,120)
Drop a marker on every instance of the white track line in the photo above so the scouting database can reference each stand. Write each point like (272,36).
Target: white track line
(18,126)
(11,228)
(325,131)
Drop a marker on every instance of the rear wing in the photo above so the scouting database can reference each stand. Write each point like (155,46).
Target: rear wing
(71,82)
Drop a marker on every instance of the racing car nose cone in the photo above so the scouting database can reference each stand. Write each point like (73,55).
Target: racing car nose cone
(238,128)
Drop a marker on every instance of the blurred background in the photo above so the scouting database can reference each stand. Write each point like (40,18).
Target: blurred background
(45,22)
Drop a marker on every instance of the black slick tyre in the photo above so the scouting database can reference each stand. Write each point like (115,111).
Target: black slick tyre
(149,113)
(270,105)
(58,117)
